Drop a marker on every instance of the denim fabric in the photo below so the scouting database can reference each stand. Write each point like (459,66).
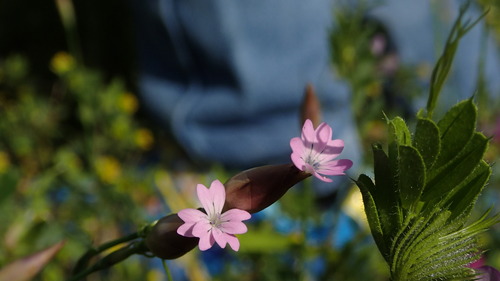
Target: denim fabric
(228,77)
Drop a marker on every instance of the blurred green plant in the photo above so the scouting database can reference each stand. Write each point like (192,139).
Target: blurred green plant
(70,168)
(364,54)
(68,161)
(427,184)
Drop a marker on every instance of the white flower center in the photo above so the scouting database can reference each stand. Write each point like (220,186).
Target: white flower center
(215,220)
(311,161)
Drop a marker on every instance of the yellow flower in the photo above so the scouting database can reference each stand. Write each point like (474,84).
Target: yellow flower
(62,62)
(144,139)
(128,103)
(4,162)
(108,169)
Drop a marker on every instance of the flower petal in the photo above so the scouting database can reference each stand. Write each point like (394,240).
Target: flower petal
(191,215)
(235,215)
(233,227)
(297,145)
(205,199)
(323,133)
(488,273)
(325,179)
(218,195)
(335,167)
(331,151)
(206,242)
(308,133)
(308,168)
(233,242)
(220,237)
(201,228)
(316,152)
(298,161)
(186,230)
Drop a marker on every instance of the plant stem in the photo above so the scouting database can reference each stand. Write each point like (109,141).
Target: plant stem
(84,260)
(112,259)
(167,270)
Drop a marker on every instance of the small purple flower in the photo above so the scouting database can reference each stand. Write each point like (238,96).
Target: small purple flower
(485,272)
(488,273)
(213,226)
(315,150)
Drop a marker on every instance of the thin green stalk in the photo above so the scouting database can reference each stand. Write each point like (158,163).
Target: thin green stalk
(444,63)
(85,258)
(66,11)
(167,270)
(111,259)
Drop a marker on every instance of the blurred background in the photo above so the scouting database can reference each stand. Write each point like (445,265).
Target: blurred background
(85,158)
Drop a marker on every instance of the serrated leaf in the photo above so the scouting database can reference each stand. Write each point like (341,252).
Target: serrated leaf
(418,238)
(442,181)
(456,127)
(427,141)
(398,247)
(414,250)
(434,247)
(412,176)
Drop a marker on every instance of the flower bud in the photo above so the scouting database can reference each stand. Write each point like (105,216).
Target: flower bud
(310,108)
(164,242)
(256,189)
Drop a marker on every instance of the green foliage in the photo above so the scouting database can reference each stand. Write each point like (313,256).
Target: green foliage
(418,206)
(68,161)
(443,65)
(427,184)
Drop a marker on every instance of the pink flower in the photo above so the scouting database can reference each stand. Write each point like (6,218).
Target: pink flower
(314,152)
(213,226)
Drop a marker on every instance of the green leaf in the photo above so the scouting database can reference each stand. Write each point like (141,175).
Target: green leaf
(418,236)
(8,185)
(385,193)
(444,180)
(457,128)
(425,237)
(427,141)
(464,196)
(436,247)
(444,63)
(366,187)
(412,176)
(399,132)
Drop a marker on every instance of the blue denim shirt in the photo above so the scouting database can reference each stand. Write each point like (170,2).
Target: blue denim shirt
(228,77)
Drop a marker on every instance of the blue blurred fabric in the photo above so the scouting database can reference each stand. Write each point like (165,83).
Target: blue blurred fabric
(228,77)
